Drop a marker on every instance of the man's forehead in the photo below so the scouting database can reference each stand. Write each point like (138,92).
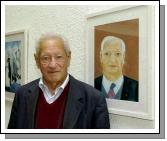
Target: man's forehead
(115,46)
(53,41)
(49,49)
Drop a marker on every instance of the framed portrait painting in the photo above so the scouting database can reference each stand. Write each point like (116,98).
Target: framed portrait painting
(121,47)
(15,62)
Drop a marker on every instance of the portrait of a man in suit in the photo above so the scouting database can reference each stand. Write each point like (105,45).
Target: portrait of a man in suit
(113,84)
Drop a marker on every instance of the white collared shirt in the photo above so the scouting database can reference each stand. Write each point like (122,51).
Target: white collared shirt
(107,83)
(47,94)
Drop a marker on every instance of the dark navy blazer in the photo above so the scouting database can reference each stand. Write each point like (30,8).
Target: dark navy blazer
(85,108)
(129,91)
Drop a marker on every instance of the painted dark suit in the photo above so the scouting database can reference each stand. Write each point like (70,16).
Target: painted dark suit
(129,90)
(85,107)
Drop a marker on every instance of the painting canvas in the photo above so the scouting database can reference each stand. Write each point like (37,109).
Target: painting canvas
(109,70)
(12,65)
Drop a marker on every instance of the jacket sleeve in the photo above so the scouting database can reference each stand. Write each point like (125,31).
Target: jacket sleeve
(13,116)
(101,115)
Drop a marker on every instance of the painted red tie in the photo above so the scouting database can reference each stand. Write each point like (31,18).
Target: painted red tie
(111,93)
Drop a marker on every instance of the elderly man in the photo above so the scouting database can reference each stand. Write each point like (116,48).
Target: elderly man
(113,84)
(57,100)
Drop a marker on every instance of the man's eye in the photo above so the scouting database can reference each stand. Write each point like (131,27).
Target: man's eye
(45,58)
(106,53)
(118,54)
(59,56)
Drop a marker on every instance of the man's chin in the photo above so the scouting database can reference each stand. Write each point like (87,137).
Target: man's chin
(54,78)
(113,70)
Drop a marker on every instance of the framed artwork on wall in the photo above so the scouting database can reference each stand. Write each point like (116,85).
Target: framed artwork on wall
(15,62)
(120,49)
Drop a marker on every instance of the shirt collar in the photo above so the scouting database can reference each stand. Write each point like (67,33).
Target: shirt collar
(107,83)
(62,86)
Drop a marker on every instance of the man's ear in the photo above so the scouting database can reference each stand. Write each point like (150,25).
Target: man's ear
(69,54)
(69,58)
(100,57)
(123,58)
(36,60)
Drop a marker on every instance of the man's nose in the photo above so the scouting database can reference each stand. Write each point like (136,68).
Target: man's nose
(53,63)
(112,58)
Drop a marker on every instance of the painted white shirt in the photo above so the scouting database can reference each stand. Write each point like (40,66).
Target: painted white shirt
(107,83)
(47,94)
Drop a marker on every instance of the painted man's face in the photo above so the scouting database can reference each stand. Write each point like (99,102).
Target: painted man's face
(112,60)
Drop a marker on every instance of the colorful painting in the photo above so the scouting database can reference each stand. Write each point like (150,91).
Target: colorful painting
(12,65)
(116,50)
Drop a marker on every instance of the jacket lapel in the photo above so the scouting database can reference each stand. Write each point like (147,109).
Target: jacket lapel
(126,89)
(31,101)
(74,105)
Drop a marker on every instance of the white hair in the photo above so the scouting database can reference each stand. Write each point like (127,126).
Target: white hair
(112,40)
(52,36)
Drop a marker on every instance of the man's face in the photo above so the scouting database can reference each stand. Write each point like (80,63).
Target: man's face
(53,61)
(112,59)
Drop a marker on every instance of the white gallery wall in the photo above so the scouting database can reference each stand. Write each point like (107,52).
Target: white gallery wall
(69,21)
